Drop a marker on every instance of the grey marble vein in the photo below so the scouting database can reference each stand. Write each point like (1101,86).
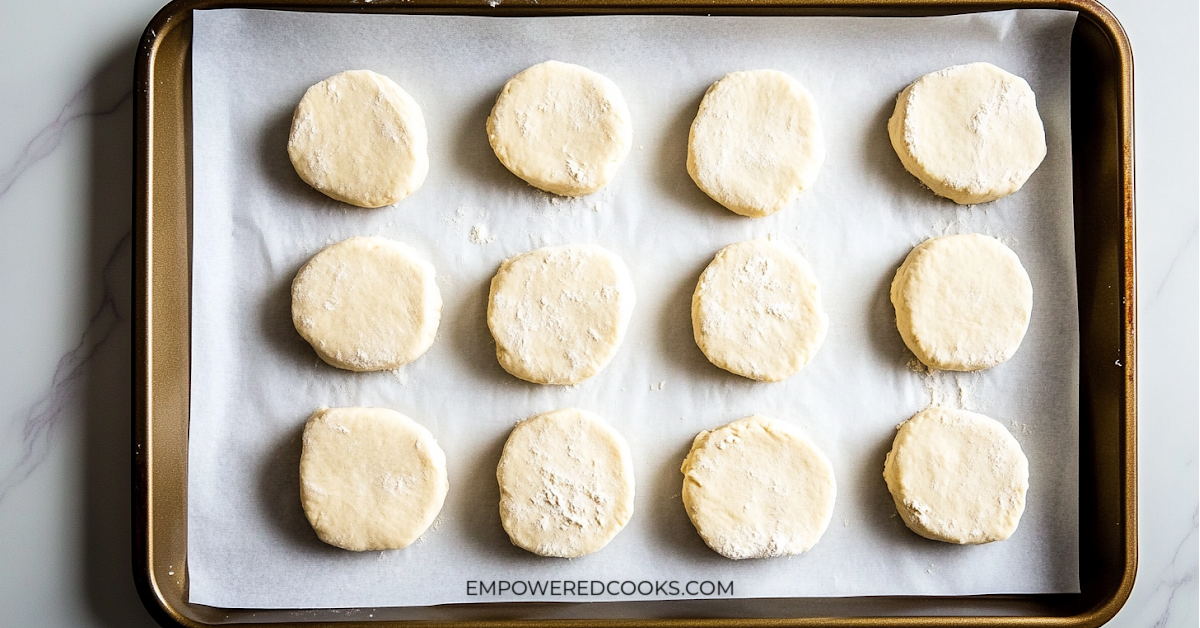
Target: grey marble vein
(1174,263)
(49,138)
(1186,579)
(42,420)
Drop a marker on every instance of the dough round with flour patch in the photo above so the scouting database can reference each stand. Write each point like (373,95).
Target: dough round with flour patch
(963,302)
(370,478)
(562,128)
(367,304)
(970,132)
(566,484)
(758,488)
(357,137)
(756,142)
(957,476)
(558,314)
(757,311)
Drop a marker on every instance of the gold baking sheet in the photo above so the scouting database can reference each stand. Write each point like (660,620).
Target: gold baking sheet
(1103,233)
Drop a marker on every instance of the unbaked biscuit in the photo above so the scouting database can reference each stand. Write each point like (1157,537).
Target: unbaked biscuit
(561,127)
(757,311)
(957,476)
(566,484)
(370,478)
(970,132)
(963,302)
(558,314)
(357,137)
(756,142)
(758,488)
(367,304)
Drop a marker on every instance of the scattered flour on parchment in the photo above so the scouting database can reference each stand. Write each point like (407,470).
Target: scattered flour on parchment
(946,389)
(1020,427)
(557,221)
(481,235)
(401,376)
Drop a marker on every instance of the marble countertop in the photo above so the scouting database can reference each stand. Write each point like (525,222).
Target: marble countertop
(66,214)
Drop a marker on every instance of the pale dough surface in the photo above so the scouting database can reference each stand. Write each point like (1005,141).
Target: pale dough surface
(970,132)
(963,302)
(756,142)
(562,128)
(367,304)
(370,478)
(957,476)
(359,138)
(757,311)
(566,484)
(558,314)
(758,488)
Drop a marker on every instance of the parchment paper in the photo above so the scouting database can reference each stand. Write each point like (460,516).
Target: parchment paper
(255,381)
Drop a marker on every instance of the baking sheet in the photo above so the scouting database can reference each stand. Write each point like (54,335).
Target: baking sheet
(255,381)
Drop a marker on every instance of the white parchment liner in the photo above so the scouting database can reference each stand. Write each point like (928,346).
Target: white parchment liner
(255,381)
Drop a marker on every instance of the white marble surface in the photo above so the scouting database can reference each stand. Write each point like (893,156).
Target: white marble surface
(66,150)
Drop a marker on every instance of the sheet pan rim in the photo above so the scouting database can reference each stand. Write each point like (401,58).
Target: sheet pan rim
(175,18)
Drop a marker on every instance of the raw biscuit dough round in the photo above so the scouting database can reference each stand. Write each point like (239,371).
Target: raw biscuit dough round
(559,313)
(963,302)
(562,128)
(970,132)
(370,478)
(756,142)
(357,137)
(757,311)
(758,488)
(367,304)
(566,484)
(957,476)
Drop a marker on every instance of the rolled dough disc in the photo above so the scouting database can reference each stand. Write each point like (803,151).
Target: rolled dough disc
(558,314)
(963,302)
(756,142)
(370,478)
(758,488)
(357,137)
(757,311)
(562,128)
(566,484)
(367,304)
(970,132)
(957,476)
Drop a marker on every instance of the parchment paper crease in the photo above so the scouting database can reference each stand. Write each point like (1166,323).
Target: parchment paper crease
(255,381)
